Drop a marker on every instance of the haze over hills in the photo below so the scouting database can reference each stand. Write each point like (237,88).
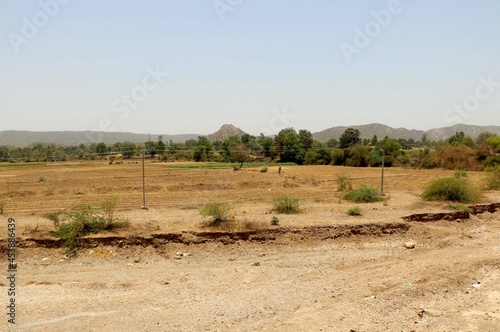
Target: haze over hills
(20,138)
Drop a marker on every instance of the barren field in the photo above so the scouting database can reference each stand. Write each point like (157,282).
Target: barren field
(319,270)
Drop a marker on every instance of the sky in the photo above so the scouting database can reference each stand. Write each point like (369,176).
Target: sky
(190,66)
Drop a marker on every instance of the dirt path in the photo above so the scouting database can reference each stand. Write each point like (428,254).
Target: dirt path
(357,283)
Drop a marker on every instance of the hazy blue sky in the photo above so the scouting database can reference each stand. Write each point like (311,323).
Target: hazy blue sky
(261,65)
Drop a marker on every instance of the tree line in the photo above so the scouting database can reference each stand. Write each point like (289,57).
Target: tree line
(457,152)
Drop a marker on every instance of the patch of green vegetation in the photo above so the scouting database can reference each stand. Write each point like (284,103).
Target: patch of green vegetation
(354,211)
(218,211)
(363,194)
(22,164)
(286,204)
(275,221)
(82,220)
(452,189)
(225,165)
(493,179)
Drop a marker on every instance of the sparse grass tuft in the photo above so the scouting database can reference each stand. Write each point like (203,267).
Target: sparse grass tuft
(354,211)
(41,179)
(363,194)
(458,207)
(55,217)
(285,204)
(275,221)
(218,211)
(451,189)
(344,183)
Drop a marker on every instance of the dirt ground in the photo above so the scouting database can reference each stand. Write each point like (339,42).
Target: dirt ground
(319,270)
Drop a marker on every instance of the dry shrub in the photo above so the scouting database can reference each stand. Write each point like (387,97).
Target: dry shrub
(456,157)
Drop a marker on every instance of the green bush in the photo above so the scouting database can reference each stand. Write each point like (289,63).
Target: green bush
(83,220)
(218,211)
(108,207)
(354,211)
(493,179)
(285,204)
(264,169)
(451,189)
(459,173)
(275,221)
(363,194)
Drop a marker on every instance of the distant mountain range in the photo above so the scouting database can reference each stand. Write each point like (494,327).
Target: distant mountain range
(19,138)
(368,130)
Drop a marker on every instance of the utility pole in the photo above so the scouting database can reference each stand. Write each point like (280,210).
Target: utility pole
(382,179)
(143,207)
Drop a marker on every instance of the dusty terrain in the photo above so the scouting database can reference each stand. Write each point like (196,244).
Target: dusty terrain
(319,270)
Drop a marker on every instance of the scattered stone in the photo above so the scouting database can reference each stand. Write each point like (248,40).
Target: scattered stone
(137,260)
(476,285)
(186,254)
(370,298)
(410,245)
(45,259)
(256,264)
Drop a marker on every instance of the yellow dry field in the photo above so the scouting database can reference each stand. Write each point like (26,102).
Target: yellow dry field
(318,270)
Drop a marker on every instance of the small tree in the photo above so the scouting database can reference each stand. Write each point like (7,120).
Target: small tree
(349,138)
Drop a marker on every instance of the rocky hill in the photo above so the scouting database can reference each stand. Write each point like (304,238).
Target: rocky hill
(225,132)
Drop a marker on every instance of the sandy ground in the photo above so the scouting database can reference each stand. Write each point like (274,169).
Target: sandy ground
(303,275)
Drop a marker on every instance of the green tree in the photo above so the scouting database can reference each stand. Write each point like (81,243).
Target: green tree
(128,149)
(203,150)
(287,143)
(160,145)
(4,153)
(101,149)
(305,139)
(349,137)
(150,148)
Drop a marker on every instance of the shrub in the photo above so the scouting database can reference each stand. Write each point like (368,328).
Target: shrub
(459,173)
(275,221)
(108,206)
(55,217)
(354,211)
(84,220)
(264,169)
(344,183)
(218,211)
(285,204)
(363,194)
(41,179)
(451,189)
(493,179)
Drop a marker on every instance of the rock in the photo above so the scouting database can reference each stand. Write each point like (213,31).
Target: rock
(45,259)
(410,245)
(137,260)
(256,264)
(186,254)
